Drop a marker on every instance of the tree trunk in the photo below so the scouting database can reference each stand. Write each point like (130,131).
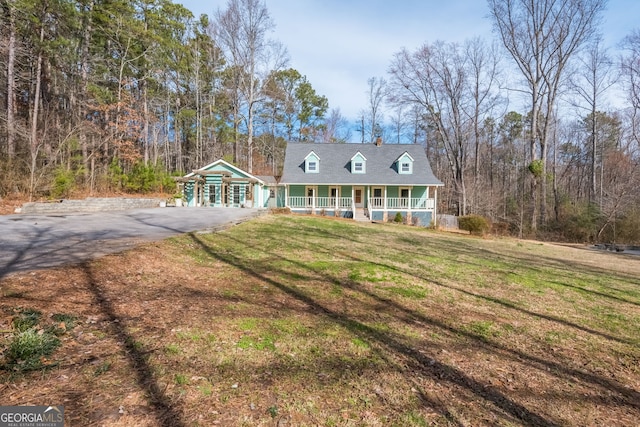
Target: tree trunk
(594,147)
(250,140)
(84,75)
(34,143)
(11,82)
(534,157)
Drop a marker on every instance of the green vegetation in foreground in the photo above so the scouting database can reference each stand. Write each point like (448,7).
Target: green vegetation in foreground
(331,308)
(325,322)
(33,340)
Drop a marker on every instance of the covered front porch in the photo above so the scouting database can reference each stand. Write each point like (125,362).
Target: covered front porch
(373,203)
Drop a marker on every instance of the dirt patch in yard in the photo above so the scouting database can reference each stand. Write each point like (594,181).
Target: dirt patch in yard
(303,321)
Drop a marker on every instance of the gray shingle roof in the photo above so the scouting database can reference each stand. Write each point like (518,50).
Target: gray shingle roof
(335,165)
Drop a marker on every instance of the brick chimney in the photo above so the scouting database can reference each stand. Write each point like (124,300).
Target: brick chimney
(378,141)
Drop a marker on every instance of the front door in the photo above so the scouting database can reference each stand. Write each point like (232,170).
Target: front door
(358,195)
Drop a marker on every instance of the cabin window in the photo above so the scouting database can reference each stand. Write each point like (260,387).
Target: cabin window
(236,194)
(212,193)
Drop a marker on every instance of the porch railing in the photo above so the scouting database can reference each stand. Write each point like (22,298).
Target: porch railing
(402,203)
(347,203)
(320,202)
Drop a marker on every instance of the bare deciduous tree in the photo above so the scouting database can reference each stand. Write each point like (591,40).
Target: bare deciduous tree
(337,128)
(453,87)
(8,7)
(630,68)
(376,94)
(541,37)
(592,79)
(242,31)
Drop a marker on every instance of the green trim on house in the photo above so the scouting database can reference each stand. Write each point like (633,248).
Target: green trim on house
(221,184)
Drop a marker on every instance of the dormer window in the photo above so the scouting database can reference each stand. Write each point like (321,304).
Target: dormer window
(358,163)
(405,164)
(312,163)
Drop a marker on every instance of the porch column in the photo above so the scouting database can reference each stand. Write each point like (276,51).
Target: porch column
(257,195)
(385,198)
(286,196)
(435,207)
(353,200)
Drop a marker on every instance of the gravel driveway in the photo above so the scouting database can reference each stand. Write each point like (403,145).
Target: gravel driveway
(29,242)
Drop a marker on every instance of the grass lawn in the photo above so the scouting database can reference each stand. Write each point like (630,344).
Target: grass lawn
(306,321)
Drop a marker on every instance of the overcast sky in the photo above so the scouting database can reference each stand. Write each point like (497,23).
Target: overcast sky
(339,44)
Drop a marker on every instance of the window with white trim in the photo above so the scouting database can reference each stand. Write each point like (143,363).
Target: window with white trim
(212,193)
(236,194)
(358,163)
(404,164)
(312,163)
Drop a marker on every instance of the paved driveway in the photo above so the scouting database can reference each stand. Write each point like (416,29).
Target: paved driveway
(29,242)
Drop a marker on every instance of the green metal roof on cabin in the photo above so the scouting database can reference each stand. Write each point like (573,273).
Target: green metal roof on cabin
(335,165)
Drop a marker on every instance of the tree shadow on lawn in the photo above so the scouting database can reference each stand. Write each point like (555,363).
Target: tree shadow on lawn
(623,395)
(537,263)
(428,366)
(419,274)
(164,412)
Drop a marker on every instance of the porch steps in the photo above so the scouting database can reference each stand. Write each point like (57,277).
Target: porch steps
(359,215)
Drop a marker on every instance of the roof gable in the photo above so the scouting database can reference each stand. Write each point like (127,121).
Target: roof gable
(359,156)
(224,167)
(405,156)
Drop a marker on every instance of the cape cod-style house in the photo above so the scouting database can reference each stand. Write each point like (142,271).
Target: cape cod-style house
(360,181)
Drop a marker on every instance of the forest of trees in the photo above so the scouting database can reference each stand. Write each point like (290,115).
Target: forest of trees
(104,96)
